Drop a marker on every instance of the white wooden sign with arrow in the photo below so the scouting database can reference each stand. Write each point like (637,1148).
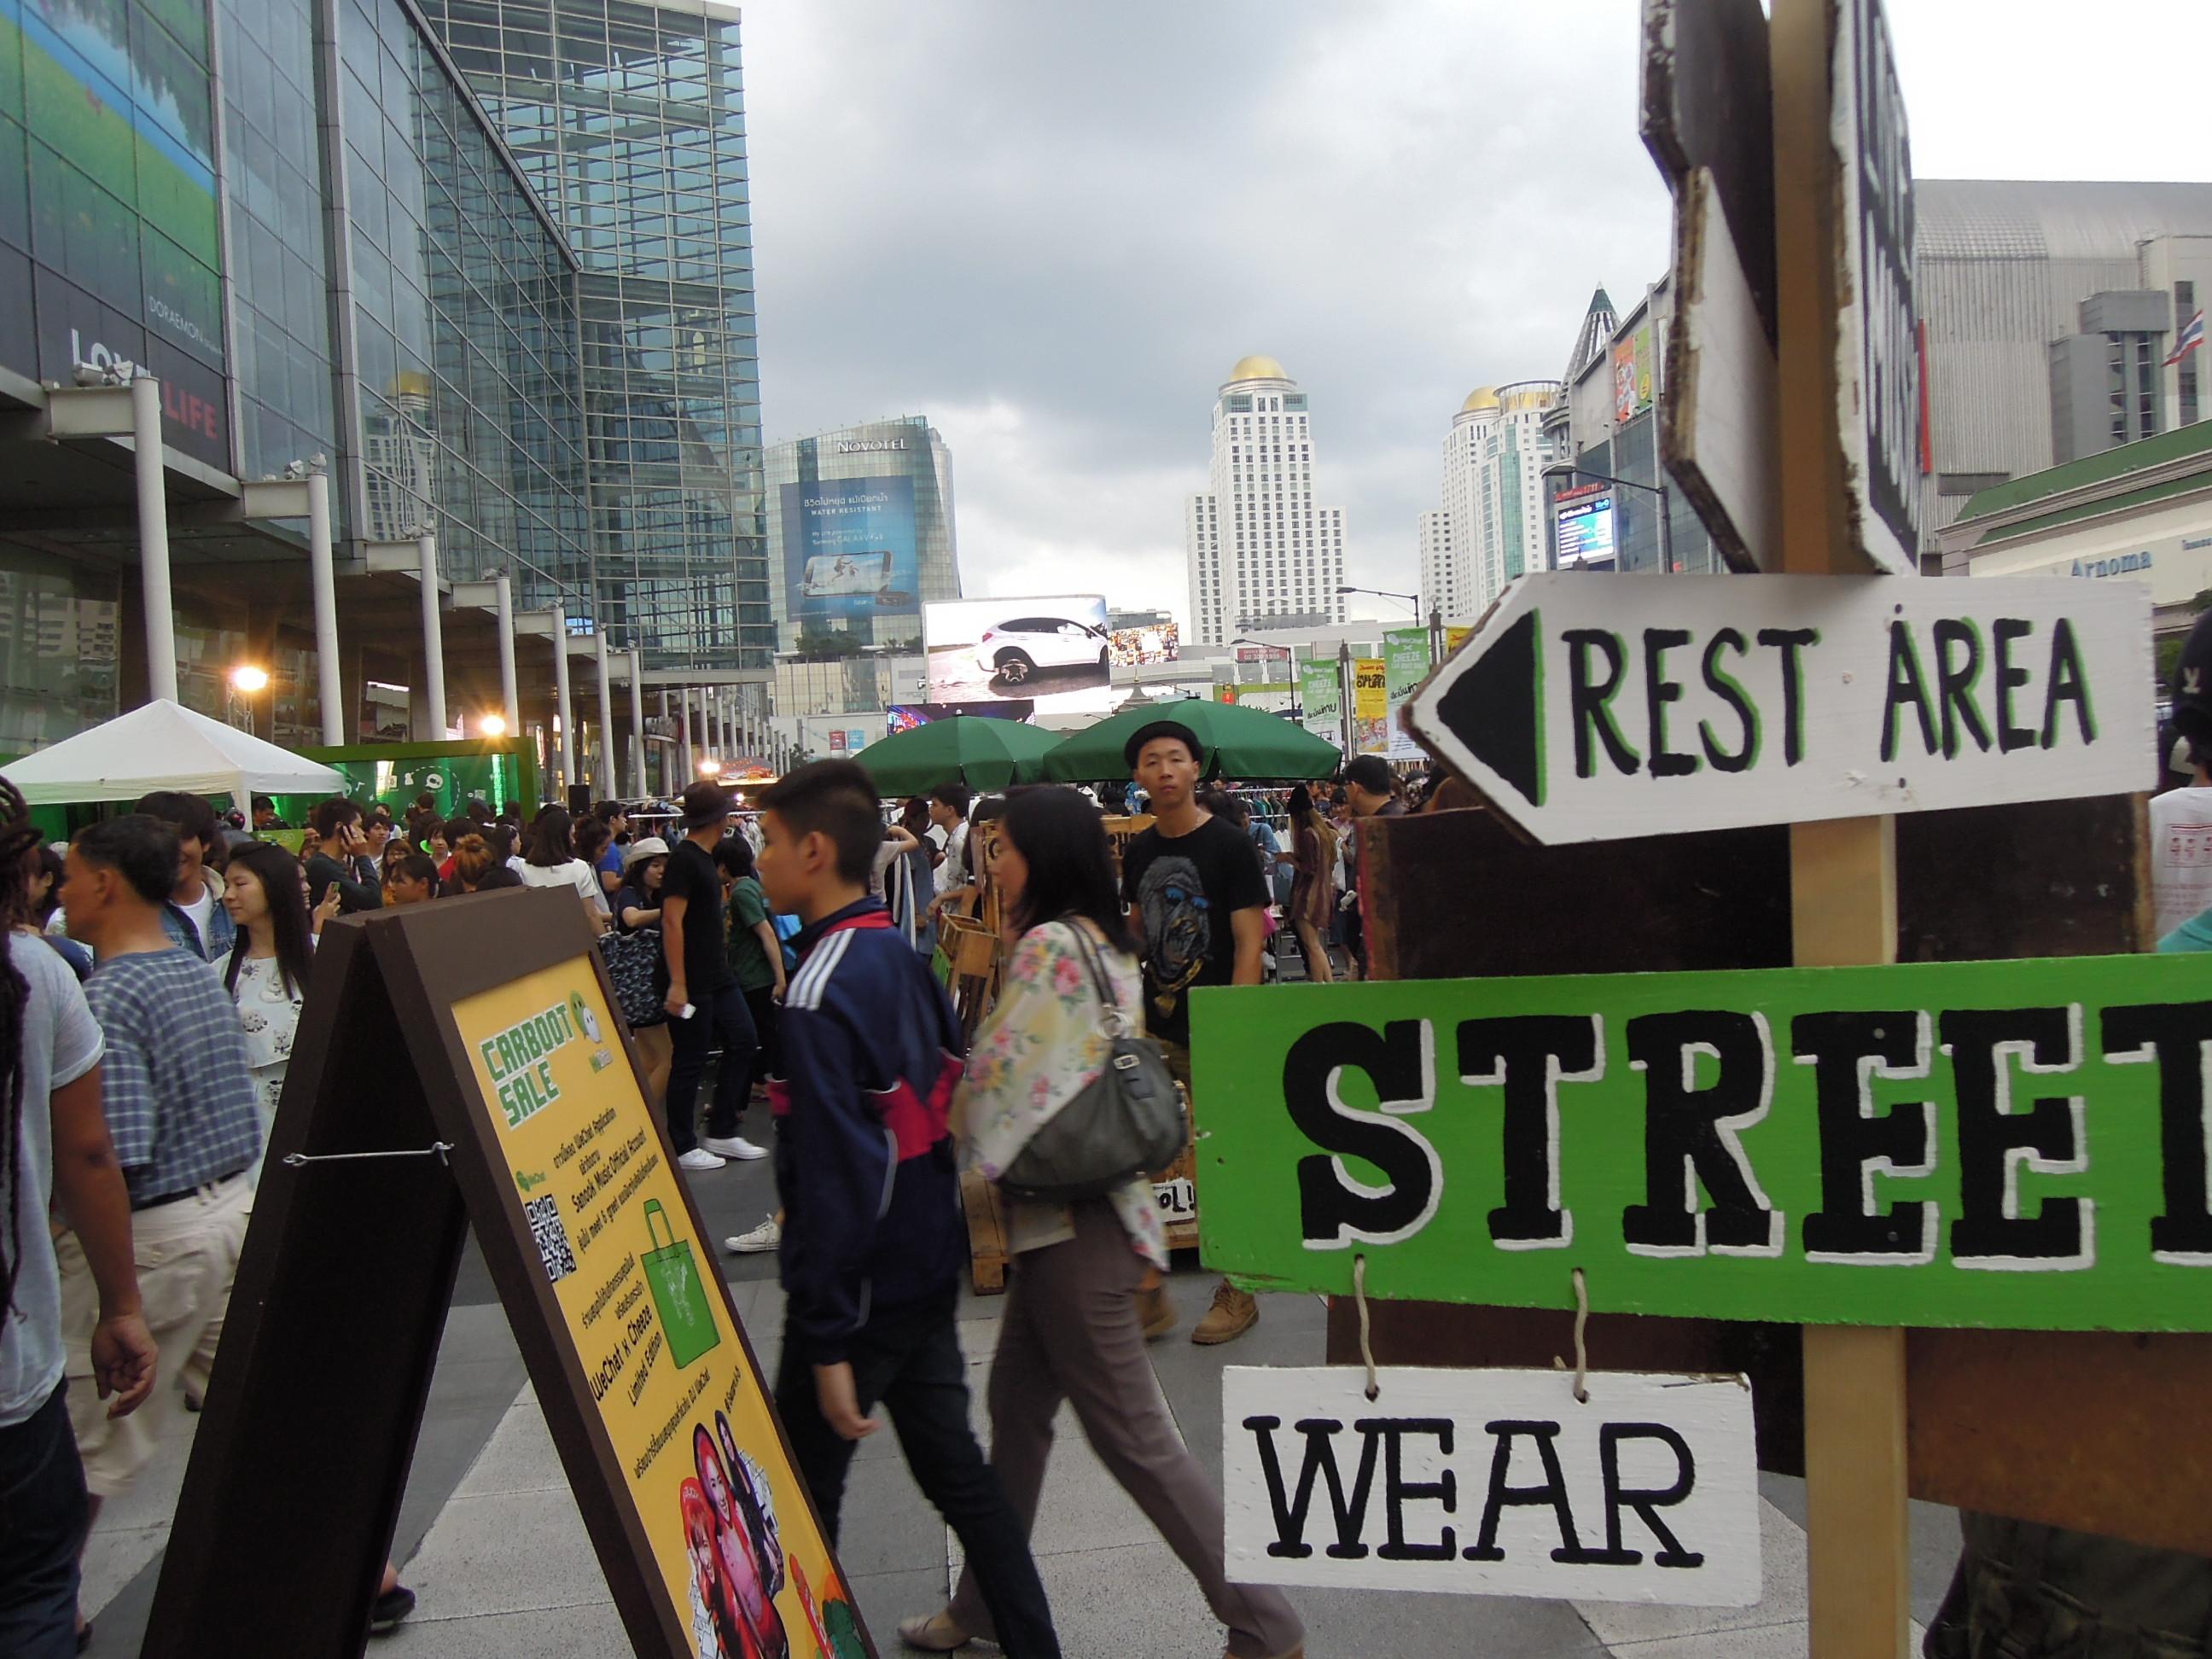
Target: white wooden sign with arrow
(1595,707)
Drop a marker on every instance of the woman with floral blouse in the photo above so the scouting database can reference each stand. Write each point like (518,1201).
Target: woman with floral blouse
(1070,1329)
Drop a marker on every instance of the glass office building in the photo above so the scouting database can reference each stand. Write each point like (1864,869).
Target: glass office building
(511,306)
(629,120)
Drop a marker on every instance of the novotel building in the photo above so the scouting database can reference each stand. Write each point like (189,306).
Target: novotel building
(299,287)
(860,535)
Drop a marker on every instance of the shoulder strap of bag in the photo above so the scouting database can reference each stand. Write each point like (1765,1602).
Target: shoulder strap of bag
(1112,1009)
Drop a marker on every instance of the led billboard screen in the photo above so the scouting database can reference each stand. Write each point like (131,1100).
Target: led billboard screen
(849,549)
(1586,530)
(1053,651)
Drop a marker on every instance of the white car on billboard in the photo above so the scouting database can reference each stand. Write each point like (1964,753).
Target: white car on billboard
(1020,647)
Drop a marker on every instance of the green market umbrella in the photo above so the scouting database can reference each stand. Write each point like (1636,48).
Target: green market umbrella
(975,749)
(1240,743)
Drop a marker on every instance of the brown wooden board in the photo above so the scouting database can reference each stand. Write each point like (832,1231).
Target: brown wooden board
(324,1365)
(348,1268)
(2104,1432)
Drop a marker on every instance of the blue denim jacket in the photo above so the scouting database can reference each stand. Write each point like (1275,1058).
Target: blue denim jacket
(222,931)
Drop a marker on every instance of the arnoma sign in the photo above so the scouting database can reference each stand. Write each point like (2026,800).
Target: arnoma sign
(2014,1144)
(1588,710)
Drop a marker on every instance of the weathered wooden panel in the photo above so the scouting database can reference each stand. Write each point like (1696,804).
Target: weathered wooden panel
(2101,1432)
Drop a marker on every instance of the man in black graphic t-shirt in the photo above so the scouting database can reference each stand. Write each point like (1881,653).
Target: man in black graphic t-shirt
(1200,904)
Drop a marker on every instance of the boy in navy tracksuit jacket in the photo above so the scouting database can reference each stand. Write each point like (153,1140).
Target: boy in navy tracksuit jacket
(874,1243)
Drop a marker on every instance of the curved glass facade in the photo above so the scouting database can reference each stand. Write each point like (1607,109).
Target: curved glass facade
(629,119)
(464,311)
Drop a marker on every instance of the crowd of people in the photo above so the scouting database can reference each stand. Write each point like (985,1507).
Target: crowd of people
(152,986)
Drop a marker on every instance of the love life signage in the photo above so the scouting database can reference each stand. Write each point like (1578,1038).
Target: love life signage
(1492,1483)
(1591,708)
(2021,1144)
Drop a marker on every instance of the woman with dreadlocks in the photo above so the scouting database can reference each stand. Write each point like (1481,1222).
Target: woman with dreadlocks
(53,1145)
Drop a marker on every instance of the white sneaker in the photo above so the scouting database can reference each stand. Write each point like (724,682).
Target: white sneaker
(700,1159)
(735,1146)
(766,1236)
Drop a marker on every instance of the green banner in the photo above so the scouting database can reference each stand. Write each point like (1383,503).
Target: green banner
(2012,1144)
(1406,655)
(1322,697)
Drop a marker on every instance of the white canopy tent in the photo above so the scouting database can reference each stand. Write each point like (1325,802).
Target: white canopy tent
(165,745)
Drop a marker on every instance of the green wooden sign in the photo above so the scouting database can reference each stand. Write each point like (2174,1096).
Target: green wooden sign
(2019,1145)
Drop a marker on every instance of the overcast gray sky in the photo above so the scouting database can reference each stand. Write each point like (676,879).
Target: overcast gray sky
(1052,228)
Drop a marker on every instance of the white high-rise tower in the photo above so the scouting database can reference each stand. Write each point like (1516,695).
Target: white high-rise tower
(1491,528)
(1261,554)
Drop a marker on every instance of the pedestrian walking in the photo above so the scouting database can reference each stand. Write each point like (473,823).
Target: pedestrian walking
(1370,792)
(1071,1330)
(341,843)
(873,1246)
(703,1000)
(911,883)
(1313,889)
(266,971)
(194,915)
(756,959)
(552,862)
(638,904)
(179,1096)
(60,1159)
(1192,882)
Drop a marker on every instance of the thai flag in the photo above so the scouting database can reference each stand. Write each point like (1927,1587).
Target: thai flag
(2192,335)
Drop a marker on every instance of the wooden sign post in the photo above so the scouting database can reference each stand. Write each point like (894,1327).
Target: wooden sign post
(462,1064)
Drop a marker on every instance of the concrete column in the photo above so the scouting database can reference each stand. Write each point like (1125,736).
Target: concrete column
(432,723)
(667,764)
(638,721)
(690,762)
(567,710)
(608,781)
(322,573)
(510,705)
(154,538)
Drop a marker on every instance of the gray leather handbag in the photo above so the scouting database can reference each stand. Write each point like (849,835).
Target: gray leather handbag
(1129,1122)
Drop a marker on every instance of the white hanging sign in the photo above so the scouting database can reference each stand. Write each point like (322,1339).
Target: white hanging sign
(1493,1483)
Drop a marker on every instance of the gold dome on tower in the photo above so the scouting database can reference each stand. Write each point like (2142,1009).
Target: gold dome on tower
(1482,397)
(1257,368)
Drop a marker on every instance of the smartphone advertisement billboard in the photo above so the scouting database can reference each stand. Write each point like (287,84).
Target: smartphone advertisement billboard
(1055,651)
(849,549)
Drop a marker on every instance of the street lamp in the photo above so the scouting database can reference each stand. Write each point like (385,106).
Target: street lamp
(244,681)
(1568,470)
(493,725)
(1413,600)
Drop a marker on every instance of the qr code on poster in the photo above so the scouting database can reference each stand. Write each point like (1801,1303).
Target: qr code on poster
(551,1237)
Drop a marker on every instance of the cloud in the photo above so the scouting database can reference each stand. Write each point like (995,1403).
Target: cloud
(1052,229)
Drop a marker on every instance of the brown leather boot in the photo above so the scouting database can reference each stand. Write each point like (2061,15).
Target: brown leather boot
(1233,1313)
(1155,1312)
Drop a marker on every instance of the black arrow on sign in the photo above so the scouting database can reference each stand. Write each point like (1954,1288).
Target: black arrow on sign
(1495,707)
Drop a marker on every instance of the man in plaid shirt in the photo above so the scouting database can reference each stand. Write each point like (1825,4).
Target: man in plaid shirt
(180,1105)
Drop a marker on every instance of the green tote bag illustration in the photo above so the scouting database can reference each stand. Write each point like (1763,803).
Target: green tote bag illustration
(677,1293)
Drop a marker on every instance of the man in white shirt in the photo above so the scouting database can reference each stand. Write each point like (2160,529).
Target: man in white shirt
(948,811)
(2181,848)
(194,915)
